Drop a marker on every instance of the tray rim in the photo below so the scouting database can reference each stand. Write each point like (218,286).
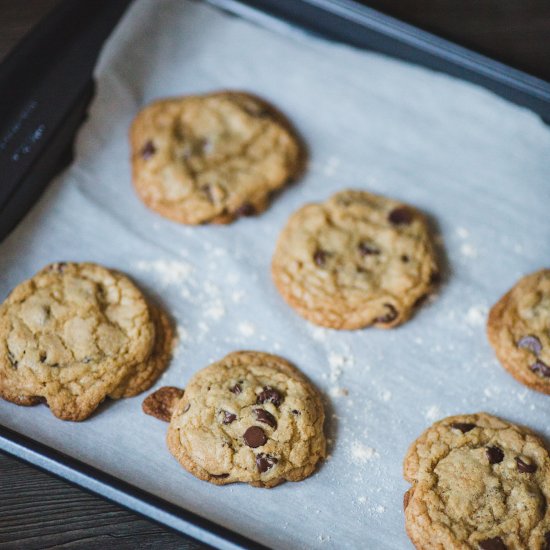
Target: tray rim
(523,89)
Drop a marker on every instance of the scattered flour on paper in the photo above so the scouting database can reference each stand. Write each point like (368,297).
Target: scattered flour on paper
(246,329)
(361,454)
(476,315)
(468,250)
(432,413)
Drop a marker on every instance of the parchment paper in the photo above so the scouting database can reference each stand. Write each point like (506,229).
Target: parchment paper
(479,166)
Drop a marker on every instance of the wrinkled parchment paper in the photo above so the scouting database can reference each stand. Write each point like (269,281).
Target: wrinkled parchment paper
(479,166)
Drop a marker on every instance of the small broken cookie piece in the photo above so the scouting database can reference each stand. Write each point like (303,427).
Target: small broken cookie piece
(518,328)
(77,333)
(162,403)
(251,417)
(212,158)
(358,259)
(484,487)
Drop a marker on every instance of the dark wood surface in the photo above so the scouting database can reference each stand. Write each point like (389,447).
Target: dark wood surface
(38,510)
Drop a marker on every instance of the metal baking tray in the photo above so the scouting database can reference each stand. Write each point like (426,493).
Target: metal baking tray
(29,164)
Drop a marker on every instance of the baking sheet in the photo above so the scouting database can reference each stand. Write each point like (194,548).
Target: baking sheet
(479,166)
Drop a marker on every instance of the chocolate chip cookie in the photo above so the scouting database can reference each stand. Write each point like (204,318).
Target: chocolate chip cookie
(251,417)
(519,330)
(76,333)
(478,482)
(212,158)
(357,259)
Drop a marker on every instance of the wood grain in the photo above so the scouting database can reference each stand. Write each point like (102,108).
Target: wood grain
(39,511)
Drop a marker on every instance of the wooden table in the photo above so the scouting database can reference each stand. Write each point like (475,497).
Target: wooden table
(38,510)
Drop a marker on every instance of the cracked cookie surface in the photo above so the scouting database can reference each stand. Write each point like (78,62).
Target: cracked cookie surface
(251,417)
(355,260)
(212,158)
(478,482)
(76,333)
(518,328)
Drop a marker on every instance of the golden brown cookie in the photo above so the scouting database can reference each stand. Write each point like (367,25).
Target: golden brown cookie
(478,483)
(251,417)
(357,259)
(519,330)
(76,333)
(212,158)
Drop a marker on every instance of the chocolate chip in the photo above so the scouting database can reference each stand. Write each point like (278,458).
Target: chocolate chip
(161,403)
(530,342)
(366,249)
(494,455)
(42,357)
(265,462)
(228,417)
(236,389)
(463,426)
(246,209)
(547,541)
(320,257)
(495,543)
(266,417)
(390,316)
(294,411)
(254,437)
(148,150)
(524,467)
(541,368)
(269,395)
(219,476)
(401,216)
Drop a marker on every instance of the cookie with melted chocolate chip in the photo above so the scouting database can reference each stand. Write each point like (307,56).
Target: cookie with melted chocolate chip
(212,158)
(518,328)
(251,417)
(479,483)
(76,333)
(356,260)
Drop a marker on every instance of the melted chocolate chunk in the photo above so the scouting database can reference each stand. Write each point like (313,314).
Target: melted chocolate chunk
(246,209)
(462,426)
(254,437)
(495,543)
(524,467)
(219,476)
(401,216)
(228,417)
(390,316)
(366,249)
(265,462)
(320,257)
(530,342)
(495,455)
(148,150)
(236,389)
(541,368)
(266,417)
(269,395)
